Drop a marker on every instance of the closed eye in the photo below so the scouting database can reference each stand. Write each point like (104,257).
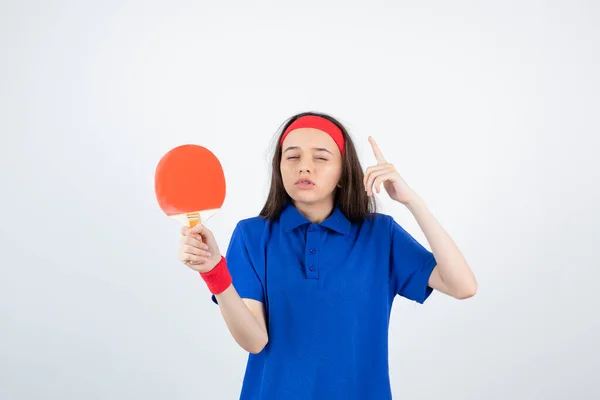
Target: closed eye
(295,157)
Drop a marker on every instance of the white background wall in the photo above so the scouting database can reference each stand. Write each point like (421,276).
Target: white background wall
(488,109)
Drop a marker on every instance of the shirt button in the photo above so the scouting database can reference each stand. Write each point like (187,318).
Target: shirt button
(311,268)
(310,229)
(312,251)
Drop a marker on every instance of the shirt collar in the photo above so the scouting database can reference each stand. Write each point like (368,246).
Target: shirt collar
(291,218)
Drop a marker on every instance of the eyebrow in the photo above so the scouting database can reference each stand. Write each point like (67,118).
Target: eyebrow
(314,148)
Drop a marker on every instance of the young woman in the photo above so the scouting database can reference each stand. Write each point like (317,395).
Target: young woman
(307,286)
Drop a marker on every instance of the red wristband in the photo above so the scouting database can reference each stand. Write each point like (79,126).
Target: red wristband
(217,279)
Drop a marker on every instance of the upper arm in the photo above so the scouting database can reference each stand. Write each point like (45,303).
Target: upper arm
(436,281)
(258,311)
(241,263)
(411,265)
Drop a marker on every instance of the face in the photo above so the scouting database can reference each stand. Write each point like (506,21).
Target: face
(311,166)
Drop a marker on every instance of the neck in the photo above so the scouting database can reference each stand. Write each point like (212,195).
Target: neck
(315,212)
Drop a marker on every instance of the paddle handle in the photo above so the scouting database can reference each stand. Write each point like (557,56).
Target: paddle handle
(193,219)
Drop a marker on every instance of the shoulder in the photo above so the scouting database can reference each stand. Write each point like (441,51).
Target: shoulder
(252,231)
(383,226)
(379,221)
(375,228)
(252,225)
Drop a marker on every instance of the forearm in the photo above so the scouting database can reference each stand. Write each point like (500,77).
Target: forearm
(453,268)
(241,322)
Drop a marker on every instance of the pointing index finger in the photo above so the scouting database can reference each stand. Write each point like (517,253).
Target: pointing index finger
(376,150)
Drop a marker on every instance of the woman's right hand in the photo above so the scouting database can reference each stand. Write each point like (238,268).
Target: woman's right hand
(198,248)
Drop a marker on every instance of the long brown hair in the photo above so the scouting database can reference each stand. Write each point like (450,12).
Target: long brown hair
(350,195)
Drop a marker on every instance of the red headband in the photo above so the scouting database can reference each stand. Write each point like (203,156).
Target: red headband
(316,122)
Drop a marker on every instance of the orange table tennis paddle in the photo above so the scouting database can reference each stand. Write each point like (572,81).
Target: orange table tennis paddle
(189,184)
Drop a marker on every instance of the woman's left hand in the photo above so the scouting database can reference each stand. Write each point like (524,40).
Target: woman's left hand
(385,173)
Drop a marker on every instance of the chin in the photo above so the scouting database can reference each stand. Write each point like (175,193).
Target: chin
(308,198)
(303,198)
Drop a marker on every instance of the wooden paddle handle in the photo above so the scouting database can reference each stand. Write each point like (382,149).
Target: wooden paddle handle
(193,219)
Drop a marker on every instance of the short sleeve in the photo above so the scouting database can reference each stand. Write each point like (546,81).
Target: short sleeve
(240,264)
(411,265)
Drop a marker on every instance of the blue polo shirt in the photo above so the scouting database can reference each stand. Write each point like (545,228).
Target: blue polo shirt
(328,290)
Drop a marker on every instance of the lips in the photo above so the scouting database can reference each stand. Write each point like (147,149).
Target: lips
(304,181)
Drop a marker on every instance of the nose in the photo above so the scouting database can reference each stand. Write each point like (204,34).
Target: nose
(305,166)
